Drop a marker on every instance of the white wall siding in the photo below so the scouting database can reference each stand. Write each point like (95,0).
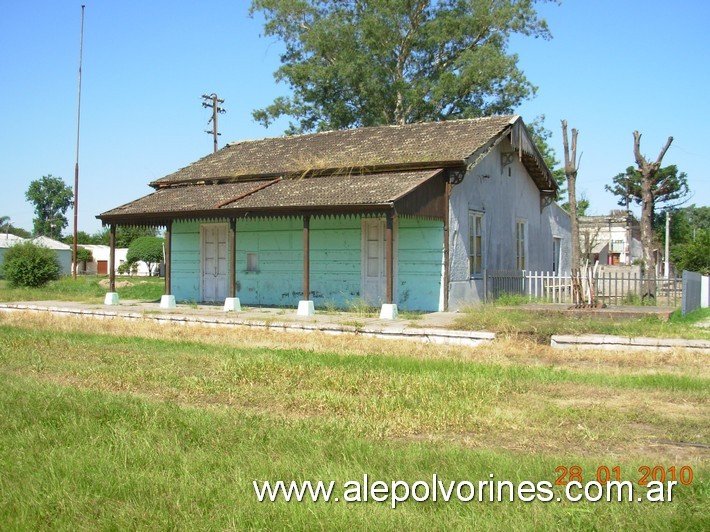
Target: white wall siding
(504,199)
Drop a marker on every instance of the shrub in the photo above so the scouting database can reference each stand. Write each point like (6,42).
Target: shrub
(125,267)
(27,264)
(149,249)
(695,255)
(84,255)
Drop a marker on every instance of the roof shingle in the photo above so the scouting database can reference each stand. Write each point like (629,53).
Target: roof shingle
(437,143)
(290,193)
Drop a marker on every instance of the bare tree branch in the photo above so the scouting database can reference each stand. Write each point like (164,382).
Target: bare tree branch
(663,152)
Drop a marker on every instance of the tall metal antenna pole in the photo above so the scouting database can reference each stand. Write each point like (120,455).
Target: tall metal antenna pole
(76,165)
(216,109)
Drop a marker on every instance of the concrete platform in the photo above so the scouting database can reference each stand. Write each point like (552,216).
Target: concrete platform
(429,329)
(625,343)
(610,313)
(435,327)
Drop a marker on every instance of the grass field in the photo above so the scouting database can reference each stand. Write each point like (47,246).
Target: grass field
(540,325)
(134,425)
(86,289)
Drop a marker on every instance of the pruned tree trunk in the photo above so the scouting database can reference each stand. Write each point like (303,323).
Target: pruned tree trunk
(648,171)
(571,174)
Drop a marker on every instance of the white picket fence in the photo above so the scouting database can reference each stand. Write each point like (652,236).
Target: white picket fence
(612,289)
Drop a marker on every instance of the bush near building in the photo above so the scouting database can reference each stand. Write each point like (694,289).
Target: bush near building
(27,264)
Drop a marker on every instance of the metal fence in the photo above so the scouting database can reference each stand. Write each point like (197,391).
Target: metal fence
(692,288)
(609,288)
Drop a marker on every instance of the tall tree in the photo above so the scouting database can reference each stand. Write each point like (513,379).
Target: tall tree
(571,174)
(125,235)
(650,186)
(667,185)
(51,198)
(374,62)
(149,249)
(651,189)
(541,135)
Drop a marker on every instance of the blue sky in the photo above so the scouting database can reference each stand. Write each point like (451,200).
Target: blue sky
(611,67)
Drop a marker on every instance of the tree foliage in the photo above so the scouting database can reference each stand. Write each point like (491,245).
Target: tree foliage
(689,228)
(124,235)
(82,238)
(668,185)
(84,255)
(51,198)
(7,228)
(353,63)
(540,135)
(693,255)
(27,264)
(149,249)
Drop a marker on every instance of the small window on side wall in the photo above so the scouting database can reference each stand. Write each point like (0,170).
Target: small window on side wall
(521,244)
(252,262)
(475,243)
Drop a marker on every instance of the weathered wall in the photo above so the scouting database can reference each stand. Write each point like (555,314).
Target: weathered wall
(185,272)
(556,223)
(335,262)
(505,194)
(420,254)
(278,243)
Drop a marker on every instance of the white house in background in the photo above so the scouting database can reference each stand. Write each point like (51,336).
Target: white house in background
(62,250)
(7,240)
(613,239)
(100,264)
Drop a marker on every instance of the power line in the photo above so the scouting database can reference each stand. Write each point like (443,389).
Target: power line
(213,102)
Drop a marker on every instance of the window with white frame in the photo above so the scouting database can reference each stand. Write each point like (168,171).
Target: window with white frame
(521,244)
(475,243)
(556,253)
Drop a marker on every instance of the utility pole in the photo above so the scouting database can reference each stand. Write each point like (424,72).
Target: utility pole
(76,165)
(213,102)
(627,246)
(668,244)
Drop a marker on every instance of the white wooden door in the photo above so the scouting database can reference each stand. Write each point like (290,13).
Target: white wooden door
(214,263)
(374,275)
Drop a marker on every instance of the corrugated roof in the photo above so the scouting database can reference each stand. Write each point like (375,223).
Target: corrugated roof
(433,144)
(50,243)
(7,240)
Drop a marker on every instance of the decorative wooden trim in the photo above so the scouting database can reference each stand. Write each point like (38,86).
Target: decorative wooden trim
(306,257)
(389,256)
(112,258)
(168,257)
(456,175)
(232,250)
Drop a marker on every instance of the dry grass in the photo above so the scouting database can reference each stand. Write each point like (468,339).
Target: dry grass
(512,395)
(503,352)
